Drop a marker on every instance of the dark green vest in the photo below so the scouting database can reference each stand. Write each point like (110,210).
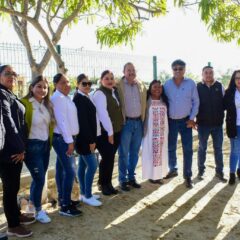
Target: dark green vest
(114,110)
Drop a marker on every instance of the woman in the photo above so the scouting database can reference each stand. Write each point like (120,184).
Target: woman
(232,105)
(86,140)
(40,123)
(155,140)
(110,116)
(66,128)
(12,154)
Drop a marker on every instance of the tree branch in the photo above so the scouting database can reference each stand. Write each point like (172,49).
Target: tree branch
(48,18)
(38,10)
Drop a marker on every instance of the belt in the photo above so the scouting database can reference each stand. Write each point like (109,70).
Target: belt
(180,119)
(133,118)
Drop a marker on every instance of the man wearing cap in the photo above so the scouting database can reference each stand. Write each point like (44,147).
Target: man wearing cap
(210,120)
(183,107)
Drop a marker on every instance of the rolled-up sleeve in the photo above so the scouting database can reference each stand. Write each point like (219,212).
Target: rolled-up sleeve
(195,102)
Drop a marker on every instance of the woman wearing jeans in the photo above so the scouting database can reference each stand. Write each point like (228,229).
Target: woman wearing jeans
(232,105)
(63,143)
(86,140)
(40,122)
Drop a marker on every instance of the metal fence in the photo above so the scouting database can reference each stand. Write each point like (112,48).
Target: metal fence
(77,61)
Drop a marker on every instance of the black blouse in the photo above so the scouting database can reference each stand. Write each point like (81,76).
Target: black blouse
(87,124)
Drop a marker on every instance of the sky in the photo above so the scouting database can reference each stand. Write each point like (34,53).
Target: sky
(179,34)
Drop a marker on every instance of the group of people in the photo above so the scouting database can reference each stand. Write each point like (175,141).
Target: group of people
(119,116)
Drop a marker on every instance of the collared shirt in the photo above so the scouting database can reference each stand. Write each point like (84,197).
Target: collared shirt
(65,113)
(237,104)
(40,121)
(100,102)
(132,100)
(183,99)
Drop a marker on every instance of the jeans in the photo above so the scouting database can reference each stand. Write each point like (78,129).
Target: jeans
(235,152)
(87,166)
(37,160)
(10,175)
(175,127)
(107,152)
(217,136)
(65,170)
(131,138)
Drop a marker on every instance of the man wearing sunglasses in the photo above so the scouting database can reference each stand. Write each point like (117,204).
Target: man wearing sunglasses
(183,108)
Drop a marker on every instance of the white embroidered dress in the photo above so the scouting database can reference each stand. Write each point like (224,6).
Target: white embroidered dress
(155,142)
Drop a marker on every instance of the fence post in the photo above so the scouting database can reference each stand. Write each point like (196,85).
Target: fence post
(154,67)
(209,64)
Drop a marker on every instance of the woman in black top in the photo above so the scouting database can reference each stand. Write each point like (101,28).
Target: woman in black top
(231,102)
(12,154)
(86,140)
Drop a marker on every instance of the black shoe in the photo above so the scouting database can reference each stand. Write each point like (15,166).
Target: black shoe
(188,183)
(105,190)
(134,184)
(238,173)
(232,179)
(220,177)
(200,176)
(158,181)
(75,203)
(124,187)
(70,211)
(171,175)
(112,189)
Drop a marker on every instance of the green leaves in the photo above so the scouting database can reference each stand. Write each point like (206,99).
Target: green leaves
(112,35)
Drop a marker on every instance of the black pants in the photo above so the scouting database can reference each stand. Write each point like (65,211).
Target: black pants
(107,152)
(10,175)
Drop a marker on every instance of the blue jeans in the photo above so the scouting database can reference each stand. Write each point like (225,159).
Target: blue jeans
(175,127)
(131,138)
(235,152)
(87,166)
(217,137)
(65,170)
(37,160)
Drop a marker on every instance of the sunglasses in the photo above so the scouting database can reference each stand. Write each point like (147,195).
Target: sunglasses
(10,74)
(84,84)
(177,69)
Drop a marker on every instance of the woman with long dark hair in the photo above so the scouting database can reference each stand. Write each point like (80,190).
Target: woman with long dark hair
(232,106)
(155,140)
(66,128)
(110,116)
(13,153)
(40,123)
(85,143)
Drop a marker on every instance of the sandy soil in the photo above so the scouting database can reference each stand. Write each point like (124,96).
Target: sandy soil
(210,210)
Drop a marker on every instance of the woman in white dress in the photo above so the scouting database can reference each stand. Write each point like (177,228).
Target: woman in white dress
(155,140)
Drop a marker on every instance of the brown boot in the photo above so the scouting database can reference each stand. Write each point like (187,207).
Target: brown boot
(19,231)
(26,219)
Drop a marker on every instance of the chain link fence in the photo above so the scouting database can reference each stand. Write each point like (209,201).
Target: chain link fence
(77,61)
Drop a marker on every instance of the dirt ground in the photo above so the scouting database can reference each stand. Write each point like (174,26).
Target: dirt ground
(210,210)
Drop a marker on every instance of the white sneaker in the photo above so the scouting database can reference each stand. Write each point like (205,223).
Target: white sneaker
(42,217)
(96,196)
(91,201)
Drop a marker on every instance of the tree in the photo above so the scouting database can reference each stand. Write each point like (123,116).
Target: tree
(221,17)
(225,77)
(122,21)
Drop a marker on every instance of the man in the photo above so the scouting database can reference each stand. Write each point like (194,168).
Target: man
(132,95)
(210,121)
(183,108)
